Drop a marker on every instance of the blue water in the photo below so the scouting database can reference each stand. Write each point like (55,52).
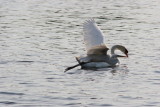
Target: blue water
(40,38)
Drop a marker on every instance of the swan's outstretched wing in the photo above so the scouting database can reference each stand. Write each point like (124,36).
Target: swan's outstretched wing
(93,38)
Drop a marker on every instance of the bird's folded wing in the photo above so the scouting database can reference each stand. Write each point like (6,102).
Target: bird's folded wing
(93,38)
(97,50)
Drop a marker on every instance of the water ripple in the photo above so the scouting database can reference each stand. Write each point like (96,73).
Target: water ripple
(7,102)
(11,93)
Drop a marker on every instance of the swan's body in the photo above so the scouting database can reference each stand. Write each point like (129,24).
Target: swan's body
(101,60)
(97,56)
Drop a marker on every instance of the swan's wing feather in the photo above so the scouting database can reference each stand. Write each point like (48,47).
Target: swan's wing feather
(93,38)
(98,50)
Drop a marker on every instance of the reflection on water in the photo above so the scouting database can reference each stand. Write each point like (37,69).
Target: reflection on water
(39,39)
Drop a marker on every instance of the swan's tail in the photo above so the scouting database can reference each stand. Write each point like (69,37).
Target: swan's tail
(79,64)
(69,68)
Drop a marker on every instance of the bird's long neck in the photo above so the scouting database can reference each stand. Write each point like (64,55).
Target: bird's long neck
(113,49)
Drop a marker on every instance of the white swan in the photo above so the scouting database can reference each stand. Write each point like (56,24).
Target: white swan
(96,49)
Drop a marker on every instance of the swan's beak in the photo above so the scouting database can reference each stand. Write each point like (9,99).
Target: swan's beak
(126,54)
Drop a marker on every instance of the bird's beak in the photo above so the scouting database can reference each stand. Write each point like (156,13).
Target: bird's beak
(126,55)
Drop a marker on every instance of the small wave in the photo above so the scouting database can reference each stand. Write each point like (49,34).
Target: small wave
(7,102)
(25,61)
(157,71)
(11,93)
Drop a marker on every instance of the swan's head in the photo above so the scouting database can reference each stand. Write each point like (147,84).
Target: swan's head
(121,48)
(124,50)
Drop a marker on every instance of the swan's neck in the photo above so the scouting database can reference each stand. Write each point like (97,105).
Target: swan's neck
(115,47)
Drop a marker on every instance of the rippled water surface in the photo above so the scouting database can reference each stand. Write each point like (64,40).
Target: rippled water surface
(40,38)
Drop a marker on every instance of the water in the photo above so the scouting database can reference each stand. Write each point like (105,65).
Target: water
(40,38)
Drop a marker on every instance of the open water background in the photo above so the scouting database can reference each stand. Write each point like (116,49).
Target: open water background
(40,38)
